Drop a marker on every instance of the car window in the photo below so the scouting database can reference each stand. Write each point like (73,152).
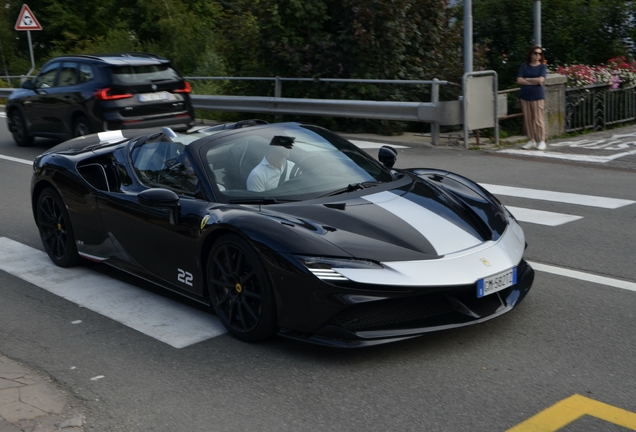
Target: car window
(85,73)
(143,74)
(317,163)
(165,164)
(68,74)
(46,78)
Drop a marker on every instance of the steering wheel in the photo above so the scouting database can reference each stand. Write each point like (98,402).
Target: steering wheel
(302,166)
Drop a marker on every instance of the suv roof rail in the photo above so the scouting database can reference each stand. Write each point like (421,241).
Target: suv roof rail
(139,54)
(117,54)
(90,56)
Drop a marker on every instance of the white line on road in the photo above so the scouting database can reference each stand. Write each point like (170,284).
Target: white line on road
(569,198)
(541,217)
(373,145)
(170,322)
(568,156)
(588,277)
(12,159)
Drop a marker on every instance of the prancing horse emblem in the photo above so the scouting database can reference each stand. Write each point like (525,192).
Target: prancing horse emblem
(485,261)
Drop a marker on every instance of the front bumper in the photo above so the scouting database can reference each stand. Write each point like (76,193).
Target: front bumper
(361,307)
(407,316)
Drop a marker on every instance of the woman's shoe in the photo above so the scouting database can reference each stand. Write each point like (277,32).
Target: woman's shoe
(529,145)
(542,146)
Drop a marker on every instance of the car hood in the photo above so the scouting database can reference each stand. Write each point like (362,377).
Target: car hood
(418,221)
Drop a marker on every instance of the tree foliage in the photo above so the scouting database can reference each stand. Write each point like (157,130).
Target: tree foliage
(360,39)
(573,31)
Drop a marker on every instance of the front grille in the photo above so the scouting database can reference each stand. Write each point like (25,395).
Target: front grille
(384,313)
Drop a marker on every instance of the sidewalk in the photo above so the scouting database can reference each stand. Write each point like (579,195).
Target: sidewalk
(611,148)
(29,402)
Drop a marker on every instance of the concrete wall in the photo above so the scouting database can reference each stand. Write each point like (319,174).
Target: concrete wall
(555,104)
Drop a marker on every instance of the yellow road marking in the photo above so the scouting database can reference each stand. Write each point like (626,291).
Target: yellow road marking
(568,410)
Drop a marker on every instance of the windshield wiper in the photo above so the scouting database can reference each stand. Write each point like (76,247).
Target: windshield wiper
(260,201)
(352,187)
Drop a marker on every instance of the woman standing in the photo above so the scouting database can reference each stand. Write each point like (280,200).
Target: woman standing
(531,76)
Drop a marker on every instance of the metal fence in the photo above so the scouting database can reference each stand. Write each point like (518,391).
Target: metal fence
(598,106)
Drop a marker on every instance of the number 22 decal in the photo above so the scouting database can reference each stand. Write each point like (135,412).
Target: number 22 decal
(185,277)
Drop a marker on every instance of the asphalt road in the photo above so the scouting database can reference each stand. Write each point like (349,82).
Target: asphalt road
(570,336)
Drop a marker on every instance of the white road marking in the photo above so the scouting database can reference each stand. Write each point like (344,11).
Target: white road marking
(541,217)
(374,145)
(12,159)
(574,274)
(569,198)
(170,322)
(568,156)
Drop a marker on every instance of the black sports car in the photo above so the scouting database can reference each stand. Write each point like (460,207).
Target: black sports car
(284,228)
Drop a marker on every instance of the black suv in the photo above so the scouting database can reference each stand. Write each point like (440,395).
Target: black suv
(80,94)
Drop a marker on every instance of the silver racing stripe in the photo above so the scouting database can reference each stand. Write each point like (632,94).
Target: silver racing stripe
(443,235)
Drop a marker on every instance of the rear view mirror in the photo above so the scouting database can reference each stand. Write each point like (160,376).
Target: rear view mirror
(28,84)
(387,156)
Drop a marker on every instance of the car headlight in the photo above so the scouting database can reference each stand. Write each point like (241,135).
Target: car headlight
(323,267)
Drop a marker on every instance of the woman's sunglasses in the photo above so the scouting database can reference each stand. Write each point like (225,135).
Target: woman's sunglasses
(537,53)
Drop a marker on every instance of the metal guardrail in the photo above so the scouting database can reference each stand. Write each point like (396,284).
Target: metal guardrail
(443,113)
(597,106)
(437,113)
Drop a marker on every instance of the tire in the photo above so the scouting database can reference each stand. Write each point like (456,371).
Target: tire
(240,291)
(19,130)
(55,229)
(81,127)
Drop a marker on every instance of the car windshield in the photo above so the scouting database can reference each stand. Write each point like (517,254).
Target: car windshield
(288,162)
(142,74)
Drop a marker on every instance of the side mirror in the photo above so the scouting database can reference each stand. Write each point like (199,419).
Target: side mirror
(387,156)
(27,85)
(159,197)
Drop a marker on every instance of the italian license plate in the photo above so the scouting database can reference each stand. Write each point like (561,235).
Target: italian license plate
(150,97)
(497,282)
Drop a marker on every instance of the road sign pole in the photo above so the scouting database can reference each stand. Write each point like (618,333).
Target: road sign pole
(31,52)
(27,22)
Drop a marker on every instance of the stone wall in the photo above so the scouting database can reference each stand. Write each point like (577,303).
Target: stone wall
(555,104)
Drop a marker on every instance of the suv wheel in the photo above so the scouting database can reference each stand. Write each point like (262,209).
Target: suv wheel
(19,130)
(81,127)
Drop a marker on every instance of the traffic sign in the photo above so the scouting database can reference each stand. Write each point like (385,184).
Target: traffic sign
(26,20)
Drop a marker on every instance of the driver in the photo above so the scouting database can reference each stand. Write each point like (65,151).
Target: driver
(273,170)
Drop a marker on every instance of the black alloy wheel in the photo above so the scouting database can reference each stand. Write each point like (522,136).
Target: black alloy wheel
(81,127)
(240,290)
(19,130)
(55,229)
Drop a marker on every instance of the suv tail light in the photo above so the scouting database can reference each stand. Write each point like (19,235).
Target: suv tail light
(104,94)
(186,88)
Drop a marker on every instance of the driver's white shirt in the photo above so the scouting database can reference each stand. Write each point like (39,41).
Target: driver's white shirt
(265,176)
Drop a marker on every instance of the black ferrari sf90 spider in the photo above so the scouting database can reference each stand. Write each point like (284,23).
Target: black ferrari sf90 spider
(284,228)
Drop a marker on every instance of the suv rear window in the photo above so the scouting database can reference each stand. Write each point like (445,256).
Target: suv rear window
(143,74)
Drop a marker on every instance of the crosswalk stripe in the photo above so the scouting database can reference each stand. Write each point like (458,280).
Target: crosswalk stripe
(568,156)
(12,159)
(575,274)
(168,321)
(541,217)
(373,145)
(563,197)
